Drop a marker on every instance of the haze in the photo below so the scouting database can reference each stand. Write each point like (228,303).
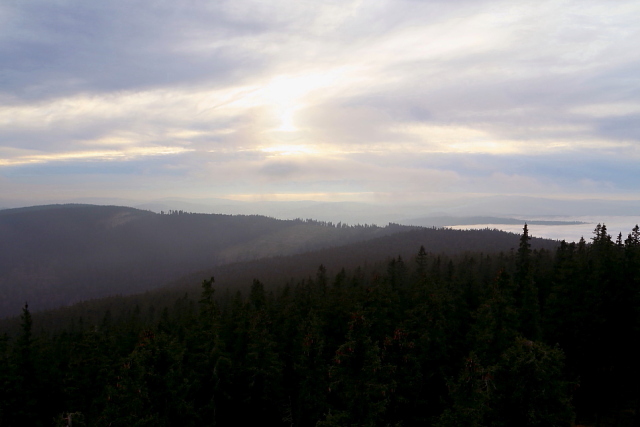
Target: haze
(379,101)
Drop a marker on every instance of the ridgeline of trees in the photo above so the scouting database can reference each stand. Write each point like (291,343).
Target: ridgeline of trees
(57,255)
(530,337)
(274,271)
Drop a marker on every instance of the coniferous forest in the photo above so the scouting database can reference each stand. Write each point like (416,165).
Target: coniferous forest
(520,338)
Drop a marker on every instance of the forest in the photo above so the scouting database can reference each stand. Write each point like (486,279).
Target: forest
(56,255)
(521,337)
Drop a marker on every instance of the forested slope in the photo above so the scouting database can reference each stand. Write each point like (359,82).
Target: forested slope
(274,271)
(403,245)
(529,337)
(55,255)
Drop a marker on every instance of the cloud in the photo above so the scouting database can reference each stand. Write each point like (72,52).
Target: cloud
(319,97)
(279,169)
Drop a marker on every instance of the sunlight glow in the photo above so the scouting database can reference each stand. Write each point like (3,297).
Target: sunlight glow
(93,155)
(287,94)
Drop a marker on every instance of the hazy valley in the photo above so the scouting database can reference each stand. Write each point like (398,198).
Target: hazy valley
(55,255)
(178,318)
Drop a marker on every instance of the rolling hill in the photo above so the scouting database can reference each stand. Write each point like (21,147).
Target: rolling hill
(56,255)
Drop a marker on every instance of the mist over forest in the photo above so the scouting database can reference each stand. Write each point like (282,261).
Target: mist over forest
(116,316)
(56,255)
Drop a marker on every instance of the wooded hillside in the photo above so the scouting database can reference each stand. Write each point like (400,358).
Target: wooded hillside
(526,337)
(55,255)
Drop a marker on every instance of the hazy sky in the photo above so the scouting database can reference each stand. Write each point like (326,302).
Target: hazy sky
(328,100)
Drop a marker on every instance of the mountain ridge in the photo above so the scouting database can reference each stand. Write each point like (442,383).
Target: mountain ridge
(59,254)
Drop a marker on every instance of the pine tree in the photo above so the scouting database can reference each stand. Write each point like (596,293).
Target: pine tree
(360,381)
(496,320)
(27,388)
(529,387)
(7,382)
(150,388)
(527,299)
(208,308)
(523,257)
(310,370)
(471,394)
(421,263)
(209,362)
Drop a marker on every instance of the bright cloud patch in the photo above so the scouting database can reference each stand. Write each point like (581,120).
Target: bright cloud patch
(351,99)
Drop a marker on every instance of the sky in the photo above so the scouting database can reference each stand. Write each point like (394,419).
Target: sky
(381,101)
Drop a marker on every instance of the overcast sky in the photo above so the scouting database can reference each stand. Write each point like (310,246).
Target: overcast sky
(375,100)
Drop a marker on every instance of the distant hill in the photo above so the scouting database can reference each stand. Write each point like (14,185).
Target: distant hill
(275,271)
(380,212)
(476,310)
(406,244)
(56,255)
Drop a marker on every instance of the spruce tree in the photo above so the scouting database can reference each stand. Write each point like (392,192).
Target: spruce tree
(26,402)
(527,299)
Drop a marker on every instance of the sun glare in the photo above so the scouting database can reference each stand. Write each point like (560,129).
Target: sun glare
(288,94)
(286,121)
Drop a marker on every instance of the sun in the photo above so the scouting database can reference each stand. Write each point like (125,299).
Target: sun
(287,94)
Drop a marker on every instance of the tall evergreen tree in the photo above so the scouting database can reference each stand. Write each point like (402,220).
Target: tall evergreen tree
(527,298)
(7,382)
(360,381)
(529,389)
(27,379)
